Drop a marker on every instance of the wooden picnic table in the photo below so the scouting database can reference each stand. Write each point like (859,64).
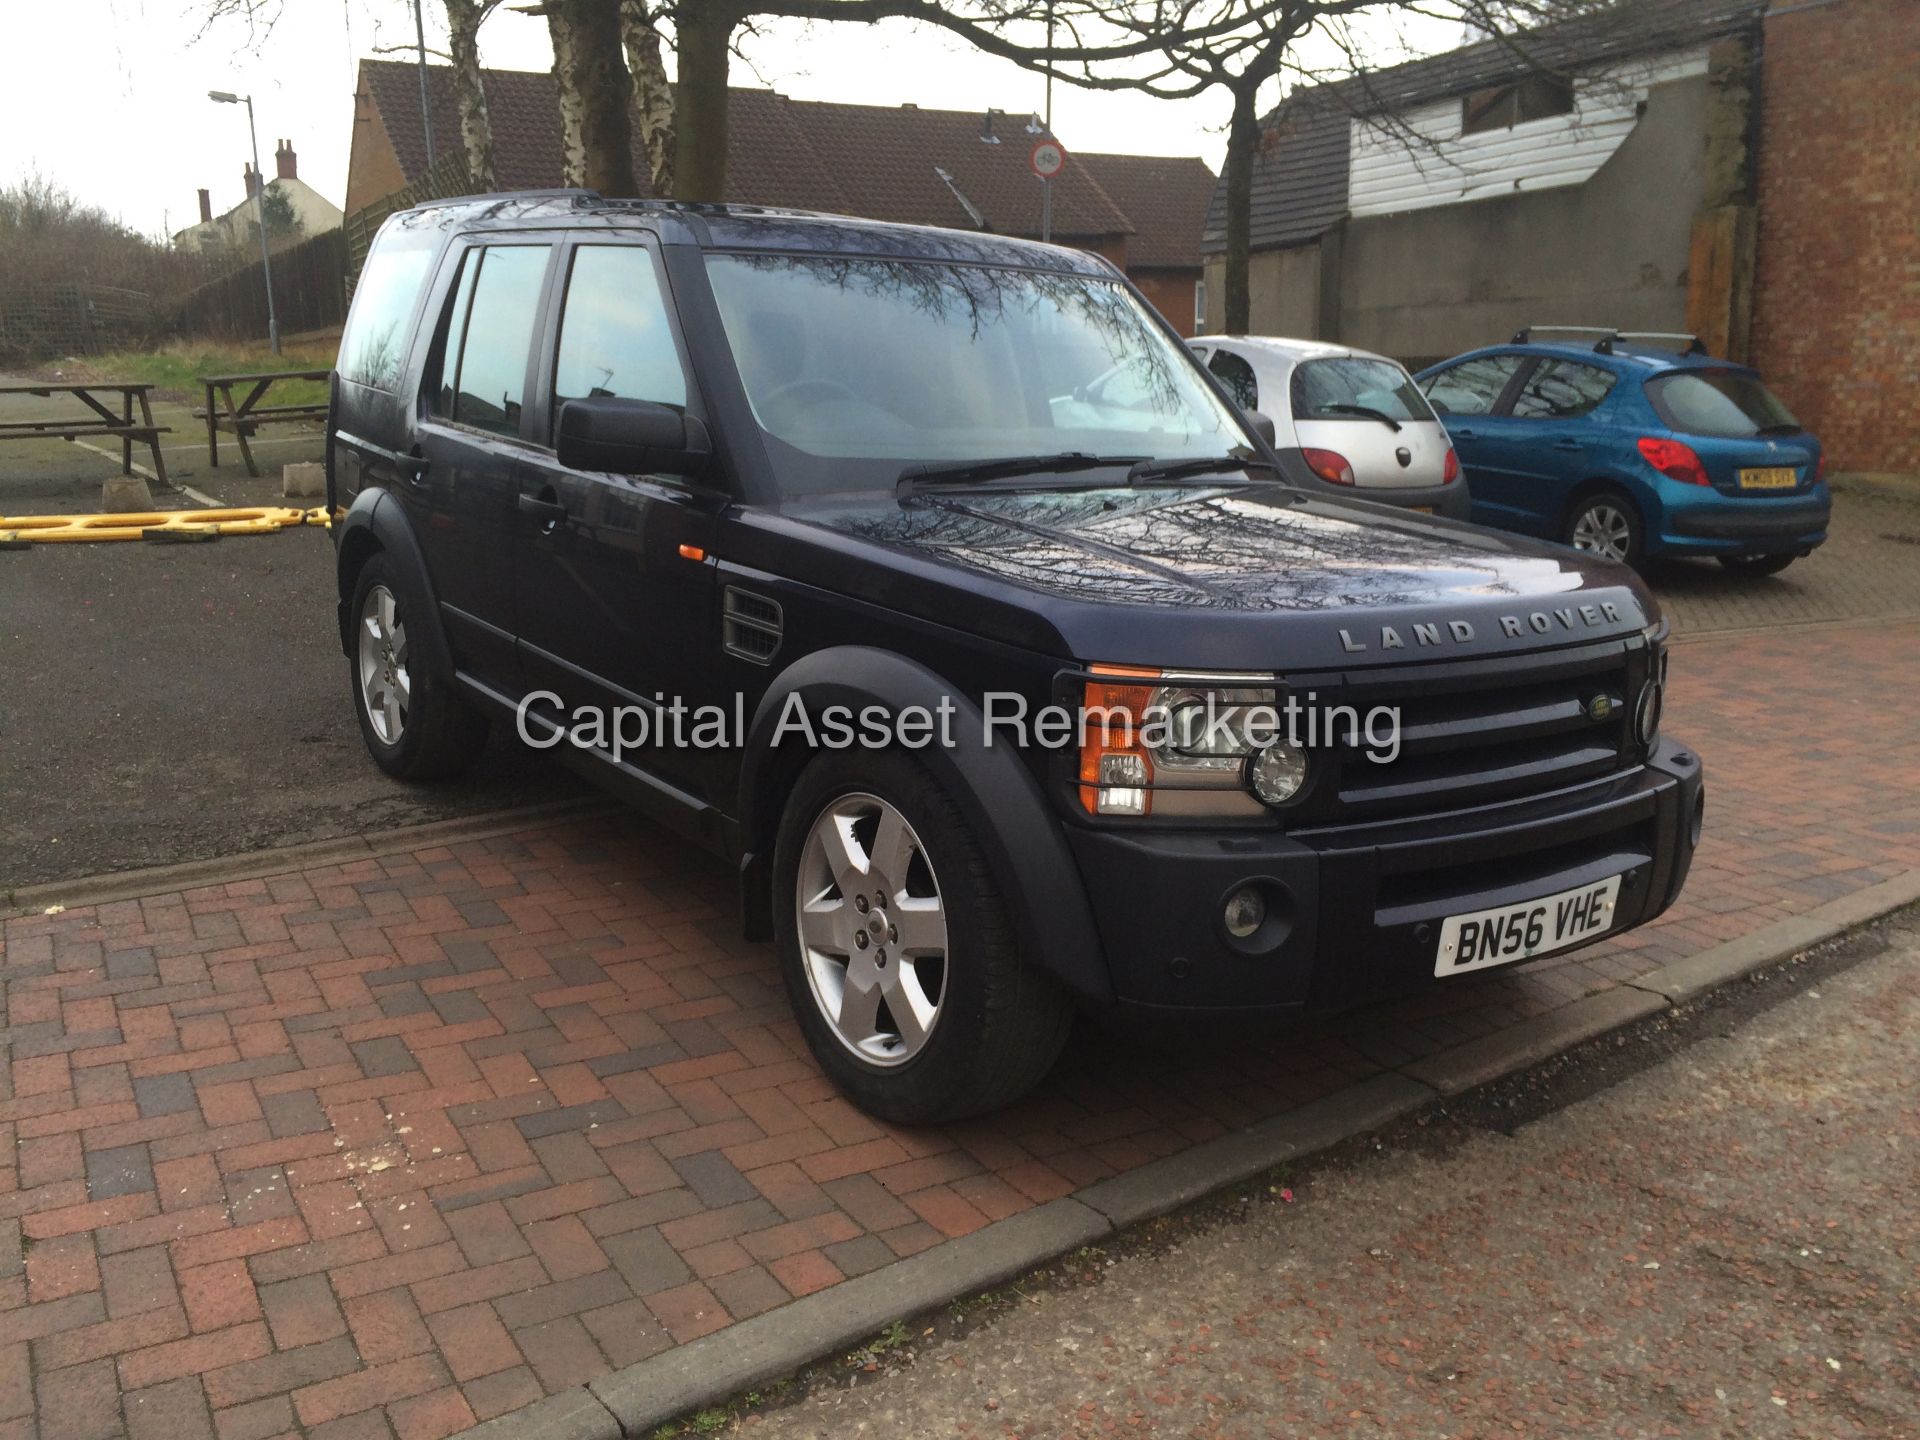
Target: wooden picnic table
(248,415)
(101,397)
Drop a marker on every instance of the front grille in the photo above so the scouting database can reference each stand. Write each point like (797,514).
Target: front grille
(1475,732)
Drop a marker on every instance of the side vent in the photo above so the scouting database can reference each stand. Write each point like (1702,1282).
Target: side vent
(749,625)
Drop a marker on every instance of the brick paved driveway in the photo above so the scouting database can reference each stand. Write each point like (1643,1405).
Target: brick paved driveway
(387,1147)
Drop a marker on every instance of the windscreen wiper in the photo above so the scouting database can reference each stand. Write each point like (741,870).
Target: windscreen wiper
(1780,427)
(1365,412)
(1151,470)
(963,472)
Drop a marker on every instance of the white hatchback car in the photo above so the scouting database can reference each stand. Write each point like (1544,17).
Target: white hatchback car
(1357,418)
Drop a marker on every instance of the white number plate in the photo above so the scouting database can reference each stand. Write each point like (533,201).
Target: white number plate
(1520,932)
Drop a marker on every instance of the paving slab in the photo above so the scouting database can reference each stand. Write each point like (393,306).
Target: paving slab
(527,1101)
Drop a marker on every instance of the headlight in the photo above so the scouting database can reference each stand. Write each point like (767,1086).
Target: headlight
(1646,709)
(1178,744)
(1277,773)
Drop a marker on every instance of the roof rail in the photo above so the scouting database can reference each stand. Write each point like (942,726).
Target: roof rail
(1604,345)
(1694,347)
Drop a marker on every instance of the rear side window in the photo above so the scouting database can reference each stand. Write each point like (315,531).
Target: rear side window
(1237,375)
(615,337)
(1719,402)
(373,347)
(1562,390)
(490,336)
(1473,387)
(1351,388)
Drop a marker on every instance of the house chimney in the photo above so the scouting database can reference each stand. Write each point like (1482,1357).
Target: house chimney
(286,162)
(249,179)
(206,208)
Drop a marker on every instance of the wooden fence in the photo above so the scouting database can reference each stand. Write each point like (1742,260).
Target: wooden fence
(74,318)
(445,178)
(309,293)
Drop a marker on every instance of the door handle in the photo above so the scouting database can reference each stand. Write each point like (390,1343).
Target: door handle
(1465,434)
(1568,445)
(548,512)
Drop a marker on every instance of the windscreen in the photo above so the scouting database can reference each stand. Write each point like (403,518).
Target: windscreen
(1720,402)
(856,368)
(1351,388)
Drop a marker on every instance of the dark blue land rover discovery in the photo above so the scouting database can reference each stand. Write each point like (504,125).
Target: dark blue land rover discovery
(1009,693)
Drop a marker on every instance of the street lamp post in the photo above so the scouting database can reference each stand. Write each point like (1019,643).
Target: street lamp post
(226,97)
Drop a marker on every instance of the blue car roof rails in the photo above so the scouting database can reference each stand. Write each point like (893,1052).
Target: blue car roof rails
(1604,345)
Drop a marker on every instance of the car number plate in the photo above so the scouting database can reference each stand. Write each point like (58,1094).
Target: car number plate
(1772,477)
(1520,932)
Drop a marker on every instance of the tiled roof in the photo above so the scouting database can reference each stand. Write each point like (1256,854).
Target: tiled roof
(1300,175)
(1165,197)
(878,162)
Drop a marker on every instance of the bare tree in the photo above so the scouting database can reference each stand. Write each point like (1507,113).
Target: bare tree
(595,96)
(652,94)
(464,18)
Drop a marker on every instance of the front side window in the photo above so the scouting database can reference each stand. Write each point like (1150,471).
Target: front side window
(1473,387)
(857,367)
(1727,403)
(1353,388)
(1237,375)
(490,335)
(373,346)
(615,337)
(1562,390)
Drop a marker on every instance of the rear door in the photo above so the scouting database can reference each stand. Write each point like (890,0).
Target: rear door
(1470,397)
(1551,440)
(470,439)
(616,595)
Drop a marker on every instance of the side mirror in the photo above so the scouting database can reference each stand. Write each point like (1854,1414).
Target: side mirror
(631,437)
(1262,424)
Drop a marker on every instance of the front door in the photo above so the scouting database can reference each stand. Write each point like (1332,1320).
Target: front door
(1468,397)
(616,593)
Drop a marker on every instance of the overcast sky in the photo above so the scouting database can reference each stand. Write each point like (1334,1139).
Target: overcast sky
(108,97)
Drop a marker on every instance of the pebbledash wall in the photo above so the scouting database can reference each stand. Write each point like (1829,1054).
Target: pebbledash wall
(1836,311)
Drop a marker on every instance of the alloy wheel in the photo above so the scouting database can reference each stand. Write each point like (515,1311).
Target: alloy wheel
(386,687)
(1604,530)
(872,928)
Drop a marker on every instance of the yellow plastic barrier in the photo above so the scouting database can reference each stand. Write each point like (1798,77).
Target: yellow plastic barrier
(159,525)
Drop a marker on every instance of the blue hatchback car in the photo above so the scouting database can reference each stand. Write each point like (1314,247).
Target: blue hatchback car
(1632,451)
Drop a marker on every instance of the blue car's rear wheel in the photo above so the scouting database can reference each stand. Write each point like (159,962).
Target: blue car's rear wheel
(1607,525)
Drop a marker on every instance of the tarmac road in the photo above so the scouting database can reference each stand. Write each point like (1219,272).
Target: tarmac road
(1722,1245)
(166,703)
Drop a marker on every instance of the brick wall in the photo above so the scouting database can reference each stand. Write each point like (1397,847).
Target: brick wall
(1836,323)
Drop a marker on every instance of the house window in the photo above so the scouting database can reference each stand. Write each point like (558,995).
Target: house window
(1199,307)
(1501,107)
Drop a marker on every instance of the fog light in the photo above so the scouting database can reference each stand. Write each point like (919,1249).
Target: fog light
(1244,913)
(1123,780)
(1276,773)
(1646,713)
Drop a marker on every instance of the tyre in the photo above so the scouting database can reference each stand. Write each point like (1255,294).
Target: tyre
(1756,565)
(416,725)
(1607,525)
(897,948)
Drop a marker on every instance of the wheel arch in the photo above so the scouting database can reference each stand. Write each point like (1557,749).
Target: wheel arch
(1594,485)
(376,525)
(995,792)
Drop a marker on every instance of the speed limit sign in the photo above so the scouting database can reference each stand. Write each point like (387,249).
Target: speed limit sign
(1048,159)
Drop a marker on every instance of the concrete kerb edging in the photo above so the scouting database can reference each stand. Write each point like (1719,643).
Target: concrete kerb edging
(259,864)
(631,1402)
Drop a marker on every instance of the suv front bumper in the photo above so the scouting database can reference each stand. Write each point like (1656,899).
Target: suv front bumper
(1357,910)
